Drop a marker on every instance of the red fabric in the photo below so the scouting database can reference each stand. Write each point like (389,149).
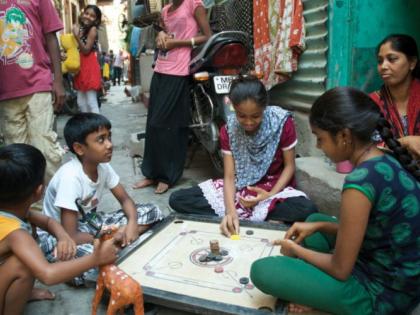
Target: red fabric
(89,76)
(287,138)
(384,100)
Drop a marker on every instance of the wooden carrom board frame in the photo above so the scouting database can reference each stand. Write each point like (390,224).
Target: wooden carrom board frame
(189,302)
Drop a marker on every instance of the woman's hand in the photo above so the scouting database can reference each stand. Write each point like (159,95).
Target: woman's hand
(230,224)
(65,248)
(161,39)
(412,144)
(300,230)
(250,201)
(287,247)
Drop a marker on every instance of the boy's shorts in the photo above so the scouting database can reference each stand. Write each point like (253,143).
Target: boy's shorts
(146,214)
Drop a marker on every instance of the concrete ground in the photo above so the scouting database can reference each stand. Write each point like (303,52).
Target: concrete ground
(127,118)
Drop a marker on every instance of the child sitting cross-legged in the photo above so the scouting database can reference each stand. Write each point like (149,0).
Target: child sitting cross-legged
(86,178)
(22,170)
(368,261)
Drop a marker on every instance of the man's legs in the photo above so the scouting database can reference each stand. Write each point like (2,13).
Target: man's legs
(29,120)
(13,120)
(40,120)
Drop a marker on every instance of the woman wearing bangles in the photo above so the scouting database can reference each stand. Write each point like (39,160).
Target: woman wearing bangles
(169,110)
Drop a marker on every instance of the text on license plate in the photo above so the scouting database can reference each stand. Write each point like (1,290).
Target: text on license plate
(222,83)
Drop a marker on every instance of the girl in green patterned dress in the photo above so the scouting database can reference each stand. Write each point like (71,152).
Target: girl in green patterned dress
(368,262)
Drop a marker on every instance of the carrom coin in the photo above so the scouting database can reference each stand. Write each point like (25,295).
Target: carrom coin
(218,269)
(244,280)
(249,232)
(224,252)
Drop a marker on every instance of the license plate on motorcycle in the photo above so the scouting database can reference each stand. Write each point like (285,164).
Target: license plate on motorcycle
(222,83)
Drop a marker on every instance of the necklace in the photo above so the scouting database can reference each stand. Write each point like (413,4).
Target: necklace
(365,151)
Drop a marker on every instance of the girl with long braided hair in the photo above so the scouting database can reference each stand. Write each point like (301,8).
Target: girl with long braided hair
(367,262)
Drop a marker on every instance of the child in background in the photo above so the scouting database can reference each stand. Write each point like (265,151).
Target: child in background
(88,81)
(86,177)
(22,169)
(258,145)
(367,262)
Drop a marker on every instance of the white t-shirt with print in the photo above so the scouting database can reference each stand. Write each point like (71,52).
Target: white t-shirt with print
(70,182)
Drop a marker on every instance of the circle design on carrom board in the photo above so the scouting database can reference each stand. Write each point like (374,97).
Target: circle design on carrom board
(204,251)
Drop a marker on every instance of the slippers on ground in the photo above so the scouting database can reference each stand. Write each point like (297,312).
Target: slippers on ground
(161,188)
(39,294)
(144,183)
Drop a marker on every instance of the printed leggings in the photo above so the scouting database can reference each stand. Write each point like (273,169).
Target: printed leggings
(297,281)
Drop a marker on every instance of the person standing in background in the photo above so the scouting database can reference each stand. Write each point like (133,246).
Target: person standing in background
(31,86)
(88,81)
(118,68)
(170,101)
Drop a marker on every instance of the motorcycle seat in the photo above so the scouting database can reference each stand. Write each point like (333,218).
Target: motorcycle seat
(201,54)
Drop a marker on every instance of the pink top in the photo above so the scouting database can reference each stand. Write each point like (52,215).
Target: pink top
(288,140)
(25,66)
(180,24)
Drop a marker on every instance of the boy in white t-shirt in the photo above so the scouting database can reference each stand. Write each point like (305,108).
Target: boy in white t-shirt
(86,178)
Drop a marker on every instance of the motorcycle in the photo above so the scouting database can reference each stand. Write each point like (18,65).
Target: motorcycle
(213,67)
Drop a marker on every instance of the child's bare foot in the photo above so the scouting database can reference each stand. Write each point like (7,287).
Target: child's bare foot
(39,294)
(161,188)
(143,183)
(297,308)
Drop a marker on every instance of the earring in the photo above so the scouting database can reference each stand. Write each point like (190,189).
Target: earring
(344,143)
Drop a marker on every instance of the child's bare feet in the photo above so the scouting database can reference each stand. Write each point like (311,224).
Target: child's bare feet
(297,308)
(161,188)
(39,294)
(143,183)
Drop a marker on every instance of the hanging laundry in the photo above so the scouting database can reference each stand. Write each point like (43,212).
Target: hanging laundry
(135,40)
(290,39)
(262,42)
(279,38)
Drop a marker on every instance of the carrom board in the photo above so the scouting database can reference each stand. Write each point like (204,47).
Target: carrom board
(168,266)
